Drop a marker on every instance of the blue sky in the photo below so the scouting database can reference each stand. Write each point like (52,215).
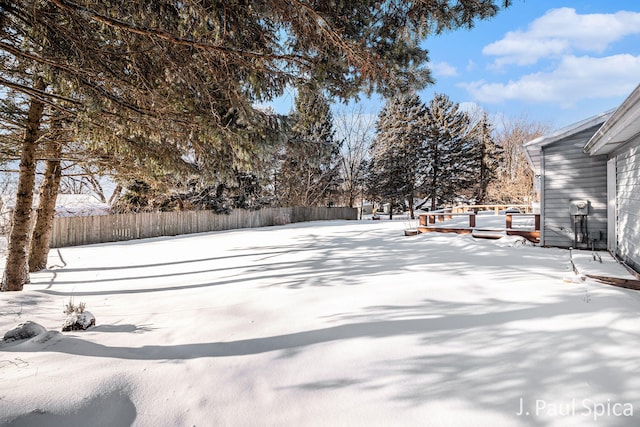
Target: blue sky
(553,61)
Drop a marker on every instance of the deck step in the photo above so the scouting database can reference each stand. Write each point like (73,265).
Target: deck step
(486,233)
(445,230)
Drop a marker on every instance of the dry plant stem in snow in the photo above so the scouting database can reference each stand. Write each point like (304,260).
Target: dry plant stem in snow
(77,317)
(71,308)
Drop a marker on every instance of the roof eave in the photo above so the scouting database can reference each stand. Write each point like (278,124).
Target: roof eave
(570,130)
(623,125)
(534,147)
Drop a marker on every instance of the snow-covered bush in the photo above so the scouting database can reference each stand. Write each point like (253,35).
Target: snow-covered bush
(77,318)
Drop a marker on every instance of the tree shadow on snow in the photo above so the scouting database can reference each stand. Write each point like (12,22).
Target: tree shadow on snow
(490,353)
(494,359)
(113,409)
(353,256)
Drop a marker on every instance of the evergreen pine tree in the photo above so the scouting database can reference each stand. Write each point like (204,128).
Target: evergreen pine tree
(395,152)
(448,167)
(310,166)
(486,157)
(159,81)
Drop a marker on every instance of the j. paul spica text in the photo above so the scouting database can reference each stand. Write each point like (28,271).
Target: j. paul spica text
(574,408)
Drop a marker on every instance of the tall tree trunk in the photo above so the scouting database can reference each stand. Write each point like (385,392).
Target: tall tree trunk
(434,193)
(412,214)
(45,213)
(15,273)
(483,174)
(434,181)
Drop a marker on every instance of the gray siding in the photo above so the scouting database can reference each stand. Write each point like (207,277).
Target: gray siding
(628,204)
(570,174)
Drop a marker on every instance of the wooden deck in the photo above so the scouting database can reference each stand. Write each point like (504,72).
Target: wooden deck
(445,222)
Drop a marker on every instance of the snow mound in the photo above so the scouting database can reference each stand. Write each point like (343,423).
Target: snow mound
(39,342)
(111,409)
(513,241)
(24,331)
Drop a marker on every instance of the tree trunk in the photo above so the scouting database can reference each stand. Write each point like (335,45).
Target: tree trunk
(352,197)
(46,208)
(434,181)
(434,193)
(483,174)
(115,195)
(412,214)
(15,273)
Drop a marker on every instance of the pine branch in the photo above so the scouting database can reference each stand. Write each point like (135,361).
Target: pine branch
(167,36)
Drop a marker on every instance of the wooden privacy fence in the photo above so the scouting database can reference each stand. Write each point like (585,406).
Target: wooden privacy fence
(86,230)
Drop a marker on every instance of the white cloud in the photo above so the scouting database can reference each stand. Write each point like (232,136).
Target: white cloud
(575,79)
(520,51)
(444,69)
(471,65)
(563,31)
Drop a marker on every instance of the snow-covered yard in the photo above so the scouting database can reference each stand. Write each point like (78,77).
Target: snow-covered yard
(321,324)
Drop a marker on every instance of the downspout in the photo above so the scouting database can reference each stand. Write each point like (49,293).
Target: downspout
(542,199)
(612,205)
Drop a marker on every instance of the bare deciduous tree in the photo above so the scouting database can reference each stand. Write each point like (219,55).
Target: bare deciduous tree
(356,129)
(514,181)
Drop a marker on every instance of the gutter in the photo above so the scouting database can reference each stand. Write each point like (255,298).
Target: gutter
(597,141)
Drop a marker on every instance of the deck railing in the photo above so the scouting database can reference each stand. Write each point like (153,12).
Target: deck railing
(495,208)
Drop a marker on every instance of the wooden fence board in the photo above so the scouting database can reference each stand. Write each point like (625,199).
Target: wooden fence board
(85,230)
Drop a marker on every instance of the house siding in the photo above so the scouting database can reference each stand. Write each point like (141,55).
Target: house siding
(628,204)
(570,174)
